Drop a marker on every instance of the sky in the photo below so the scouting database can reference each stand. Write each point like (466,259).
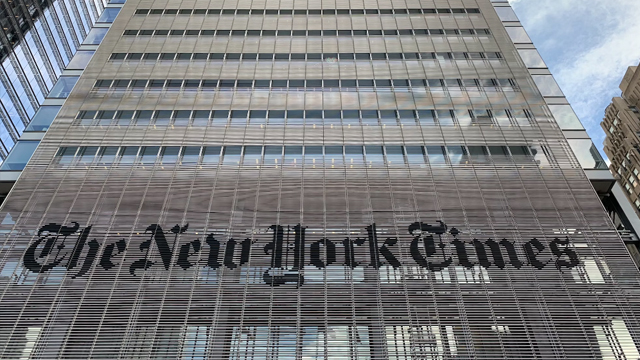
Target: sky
(588,45)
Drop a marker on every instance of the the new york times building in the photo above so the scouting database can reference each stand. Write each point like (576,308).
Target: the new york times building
(300,180)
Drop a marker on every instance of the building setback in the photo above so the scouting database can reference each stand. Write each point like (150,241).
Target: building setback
(38,41)
(337,180)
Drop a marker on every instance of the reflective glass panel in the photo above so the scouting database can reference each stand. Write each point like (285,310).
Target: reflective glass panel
(20,155)
(63,87)
(43,118)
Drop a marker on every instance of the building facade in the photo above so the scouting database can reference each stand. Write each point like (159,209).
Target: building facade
(623,136)
(340,180)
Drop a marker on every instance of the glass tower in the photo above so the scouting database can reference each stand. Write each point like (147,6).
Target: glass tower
(338,180)
(38,41)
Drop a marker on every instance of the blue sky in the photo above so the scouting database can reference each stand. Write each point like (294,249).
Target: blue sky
(588,45)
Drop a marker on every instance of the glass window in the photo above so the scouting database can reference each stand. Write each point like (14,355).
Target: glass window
(444,117)
(80,60)
(565,117)
(109,14)
(457,154)
(43,118)
(520,153)
(252,155)
(436,155)
(211,154)
(273,155)
(395,155)
(518,34)
(170,155)
(547,85)
(482,117)
(95,36)
(293,155)
(63,87)
(108,155)
(21,153)
(353,154)
(374,155)
(128,154)
(231,155)
(143,117)
(407,117)
(333,155)
(502,117)
(464,119)
(124,117)
(162,117)
(313,155)
(587,154)
(521,117)
(426,117)
(499,154)
(478,154)
(190,155)
(531,58)
(220,117)
(415,155)
(506,13)
(87,154)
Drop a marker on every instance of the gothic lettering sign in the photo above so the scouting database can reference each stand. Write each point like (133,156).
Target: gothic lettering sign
(288,251)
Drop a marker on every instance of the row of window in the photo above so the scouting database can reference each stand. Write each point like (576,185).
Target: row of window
(305,11)
(408,32)
(308,56)
(304,83)
(335,155)
(462,117)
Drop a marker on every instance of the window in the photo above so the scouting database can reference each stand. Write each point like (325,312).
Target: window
(109,14)
(232,155)
(128,155)
(63,87)
(587,154)
(547,85)
(22,152)
(43,118)
(395,155)
(333,155)
(478,154)
(436,155)
(565,117)
(273,155)
(108,155)
(444,117)
(293,155)
(457,154)
(313,155)
(531,58)
(415,155)
(191,155)
(80,60)
(518,34)
(506,13)
(252,155)
(87,154)
(375,155)
(211,155)
(95,36)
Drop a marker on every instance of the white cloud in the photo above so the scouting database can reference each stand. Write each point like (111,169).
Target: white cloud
(588,45)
